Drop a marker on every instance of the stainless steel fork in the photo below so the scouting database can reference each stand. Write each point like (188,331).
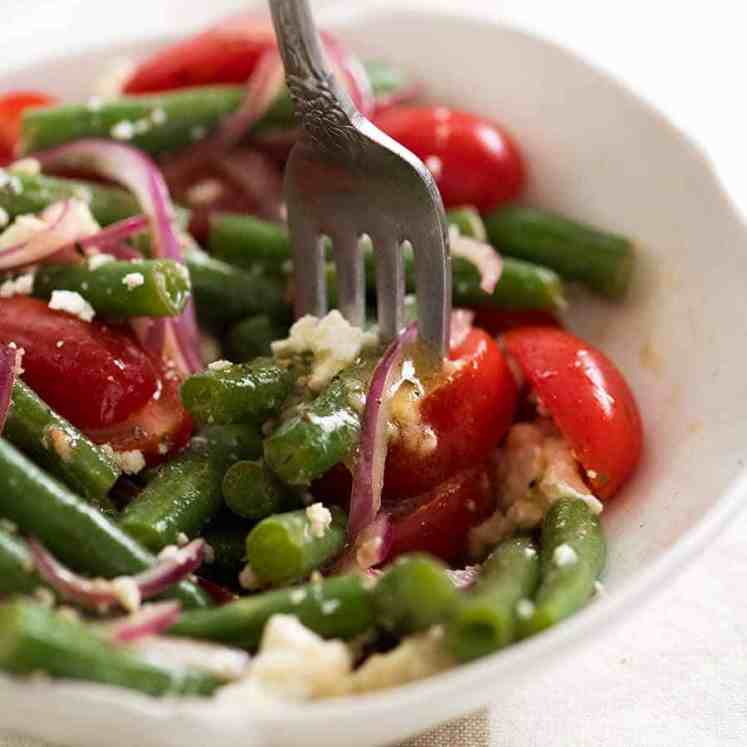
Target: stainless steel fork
(345,178)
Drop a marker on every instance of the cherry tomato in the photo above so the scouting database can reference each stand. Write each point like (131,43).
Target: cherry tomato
(12,106)
(438,522)
(95,375)
(473,161)
(467,412)
(225,53)
(587,397)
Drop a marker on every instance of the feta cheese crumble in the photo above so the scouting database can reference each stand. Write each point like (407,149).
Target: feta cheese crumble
(4,217)
(26,167)
(23,285)
(220,365)
(564,555)
(525,608)
(124,130)
(130,462)
(320,519)
(133,280)
(73,303)
(334,343)
(99,260)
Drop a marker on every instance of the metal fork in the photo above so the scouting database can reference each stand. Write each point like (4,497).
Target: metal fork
(345,178)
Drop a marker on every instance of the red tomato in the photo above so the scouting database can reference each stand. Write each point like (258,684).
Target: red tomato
(225,53)
(468,411)
(473,161)
(438,521)
(95,375)
(497,321)
(12,106)
(587,397)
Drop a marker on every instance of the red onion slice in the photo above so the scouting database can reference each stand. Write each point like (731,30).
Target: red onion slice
(8,369)
(482,255)
(368,477)
(115,234)
(100,593)
(149,620)
(349,70)
(460,325)
(133,169)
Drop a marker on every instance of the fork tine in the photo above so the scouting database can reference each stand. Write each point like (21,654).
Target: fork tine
(351,278)
(308,264)
(390,288)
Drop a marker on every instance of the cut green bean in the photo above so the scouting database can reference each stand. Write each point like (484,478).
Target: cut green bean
(153,123)
(59,447)
(253,492)
(35,639)
(187,491)
(17,574)
(337,607)
(78,534)
(238,393)
(119,290)
(319,434)
(252,337)
(601,260)
(486,617)
(414,593)
(249,242)
(573,556)
(286,548)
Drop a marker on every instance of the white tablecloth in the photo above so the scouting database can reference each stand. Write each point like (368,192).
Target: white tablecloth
(675,673)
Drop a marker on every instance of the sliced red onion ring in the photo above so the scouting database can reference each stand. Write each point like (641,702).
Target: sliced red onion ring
(482,255)
(133,169)
(460,325)
(100,593)
(8,369)
(149,620)
(115,234)
(348,68)
(368,477)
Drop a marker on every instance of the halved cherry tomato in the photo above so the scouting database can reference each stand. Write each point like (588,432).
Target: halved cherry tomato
(587,397)
(473,161)
(468,413)
(438,522)
(225,53)
(12,106)
(95,375)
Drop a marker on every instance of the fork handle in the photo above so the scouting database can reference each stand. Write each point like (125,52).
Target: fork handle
(323,108)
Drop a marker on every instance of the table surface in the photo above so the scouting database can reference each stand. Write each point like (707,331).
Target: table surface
(675,673)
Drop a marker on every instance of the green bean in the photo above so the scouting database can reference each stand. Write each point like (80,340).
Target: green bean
(119,290)
(153,123)
(34,638)
(252,337)
(319,434)
(17,574)
(337,607)
(59,447)
(253,492)
(414,593)
(238,393)
(601,260)
(573,556)
(187,491)
(285,548)
(224,294)
(75,532)
(485,618)
(249,242)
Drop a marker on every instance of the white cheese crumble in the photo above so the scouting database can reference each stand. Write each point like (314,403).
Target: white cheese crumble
(60,441)
(334,343)
(158,116)
(564,555)
(133,280)
(204,192)
(220,365)
(99,260)
(320,519)
(26,167)
(124,130)
(525,608)
(182,539)
(73,303)
(4,217)
(23,285)
(127,593)
(130,462)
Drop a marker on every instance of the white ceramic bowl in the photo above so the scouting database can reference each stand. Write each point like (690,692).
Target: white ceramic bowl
(597,153)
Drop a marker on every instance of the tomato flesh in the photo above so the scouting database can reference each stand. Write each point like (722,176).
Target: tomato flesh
(587,397)
(438,522)
(473,161)
(12,106)
(468,412)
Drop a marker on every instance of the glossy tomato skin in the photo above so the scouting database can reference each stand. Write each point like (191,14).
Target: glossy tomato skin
(473,161)
(468,411)
(588,398)
(225,53)
(95,375)
(438,522)
(12,106)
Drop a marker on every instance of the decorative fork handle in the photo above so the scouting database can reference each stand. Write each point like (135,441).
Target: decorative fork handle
(323,108)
